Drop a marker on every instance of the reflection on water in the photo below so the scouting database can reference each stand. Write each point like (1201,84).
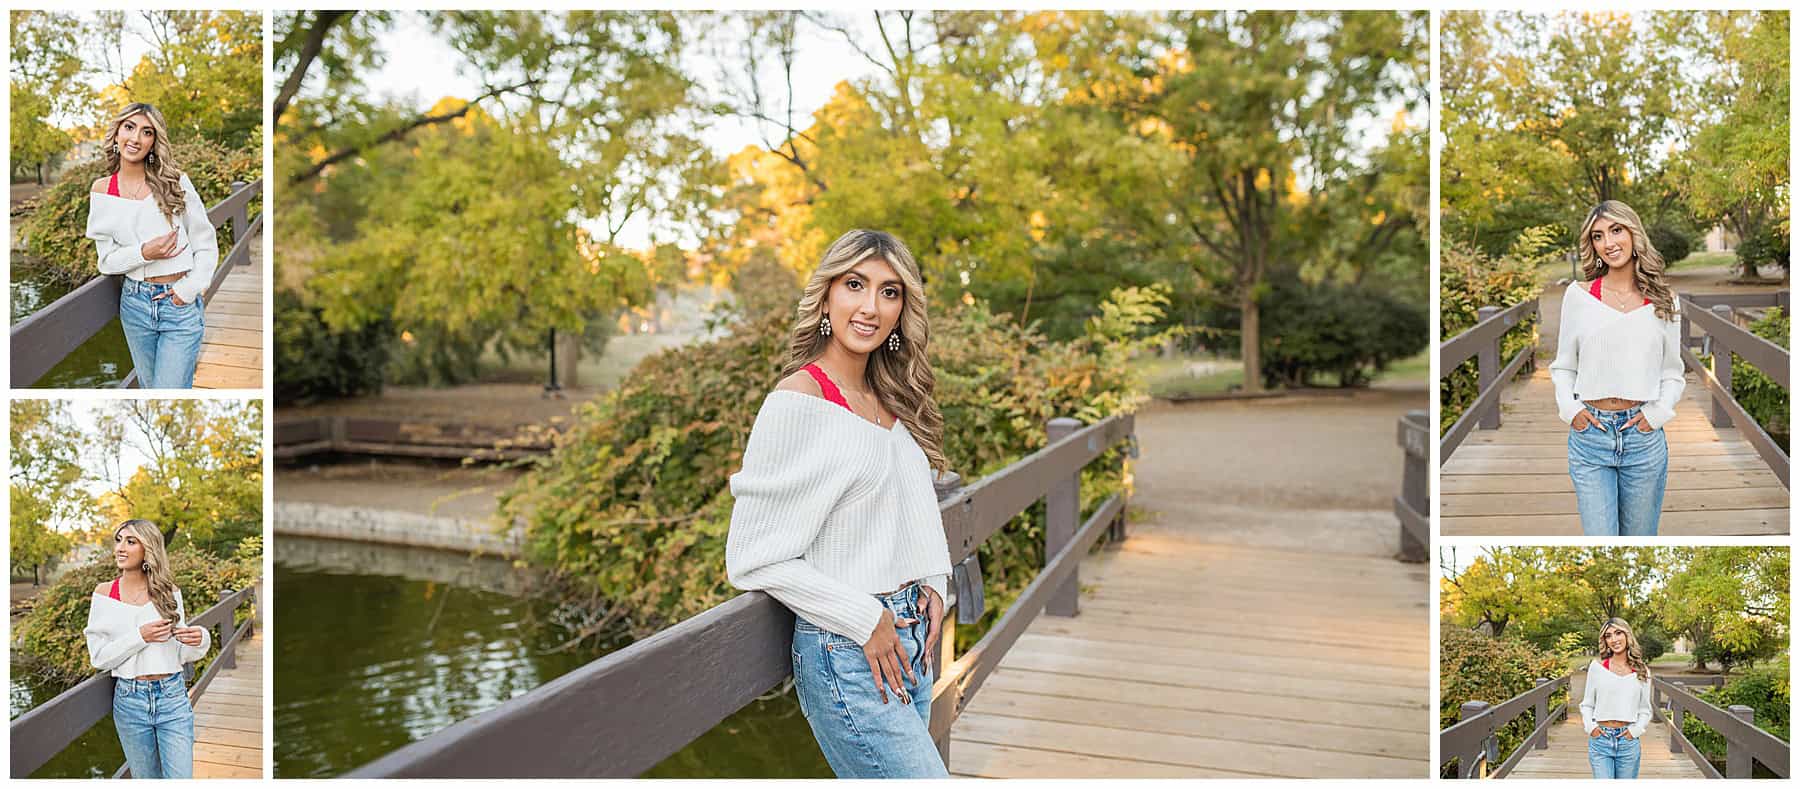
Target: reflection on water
(368,660)
(95,754)
(102,361)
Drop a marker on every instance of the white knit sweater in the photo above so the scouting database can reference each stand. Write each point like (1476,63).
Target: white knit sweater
(1602,352)
(1610,697)
(116,645)
(831,510)
(119,228)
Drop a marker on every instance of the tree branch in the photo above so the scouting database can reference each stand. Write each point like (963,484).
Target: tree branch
(315,43)
(400,132)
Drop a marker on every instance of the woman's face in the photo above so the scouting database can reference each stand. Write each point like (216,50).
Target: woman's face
(128,553)
(136,137)
(864,304)
(1612,241)
(1615,640)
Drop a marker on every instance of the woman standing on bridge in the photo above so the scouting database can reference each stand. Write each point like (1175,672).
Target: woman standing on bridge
(1618,375)
(137,629)
(836,516)
(1616,707)
(149,224)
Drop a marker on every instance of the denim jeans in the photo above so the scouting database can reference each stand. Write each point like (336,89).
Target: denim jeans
(1619,474)
(1612,755)
(156,726)
(164,338)
(860,736)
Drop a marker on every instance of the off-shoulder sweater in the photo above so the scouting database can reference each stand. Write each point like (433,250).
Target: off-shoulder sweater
(1610,697)
(1602,352)
(114,643)
(119,227)
(832,510)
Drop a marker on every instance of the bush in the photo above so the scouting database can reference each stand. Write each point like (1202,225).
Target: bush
(1672,243)
(1474,667)
(1765,400)
(56,233)
(631,510)
(1347,331)
(1765,690)
(1766,247)
(50,638)
(1468,281)
(313,363)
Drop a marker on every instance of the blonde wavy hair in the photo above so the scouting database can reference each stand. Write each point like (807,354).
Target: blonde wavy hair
(1649,277)
(901,379)
(156,565)
(1634,654)
(161,173)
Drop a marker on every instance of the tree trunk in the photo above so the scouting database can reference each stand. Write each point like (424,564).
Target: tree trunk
(1250,339)
(568,359)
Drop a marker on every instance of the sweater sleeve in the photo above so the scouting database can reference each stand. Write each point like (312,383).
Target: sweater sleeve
(186,653)
(1672,376)
(116,256)
(203,242)
(783,495)
(110,640)
(1590,698)
(1563,369)
(1645,711)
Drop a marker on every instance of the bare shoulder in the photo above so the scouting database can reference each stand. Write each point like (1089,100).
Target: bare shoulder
(103,589)
(99,185)
(802,383)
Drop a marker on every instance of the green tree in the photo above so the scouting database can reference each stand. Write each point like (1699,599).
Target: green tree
(201,479)
(1733,600)
(203,70)
(46,81)
(45,472)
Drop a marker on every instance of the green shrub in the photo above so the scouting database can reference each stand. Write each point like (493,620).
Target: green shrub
(1767,247)
(312,362)
(1351,332)
(1765,400)
(1765,690)
(631,510)
(1672,243)
(1470,280)
(1475,667)
(56,233)
(50,637)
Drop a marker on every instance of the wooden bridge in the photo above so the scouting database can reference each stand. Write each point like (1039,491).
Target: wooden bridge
(1556,746)
(1161,655)
(1504,464)
(231,348)
(228,718)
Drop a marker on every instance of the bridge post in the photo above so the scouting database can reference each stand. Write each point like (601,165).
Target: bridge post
(1062,515)
(948,485)
(1737,755)
(1465,762)
(1415,482)
(1721,369)
(1488,369)
(240,219)
(1675,720)
(1541,714)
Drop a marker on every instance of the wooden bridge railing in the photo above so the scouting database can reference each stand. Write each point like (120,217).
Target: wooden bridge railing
(45,337)
(1473,741)
(1744,742)
(623,713)
(1716,317)
(1483,341)
(45,730)
(1413,505)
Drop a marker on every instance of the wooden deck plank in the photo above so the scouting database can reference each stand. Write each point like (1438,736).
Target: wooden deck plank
(231,350)
(228,718)
(1567,755)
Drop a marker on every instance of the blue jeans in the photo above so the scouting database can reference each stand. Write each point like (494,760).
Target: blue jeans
(1619,474)
(1612,755)
(164,338)
(156,726)
(860,736)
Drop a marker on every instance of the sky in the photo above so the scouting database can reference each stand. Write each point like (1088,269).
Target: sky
(85,414)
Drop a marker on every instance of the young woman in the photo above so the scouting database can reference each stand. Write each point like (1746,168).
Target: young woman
(836,516)
(137,629)
(150,225)
(1618,375)
(1616,707)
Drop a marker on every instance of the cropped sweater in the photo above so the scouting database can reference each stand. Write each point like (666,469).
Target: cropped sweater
(1610,697)
(119,227)
(1602,352)
(832,510)
(114,643)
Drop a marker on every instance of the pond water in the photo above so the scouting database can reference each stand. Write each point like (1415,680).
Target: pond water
(102,361)
(377,647)
(95,754)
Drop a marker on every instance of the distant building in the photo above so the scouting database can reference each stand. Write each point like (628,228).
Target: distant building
(1719,239)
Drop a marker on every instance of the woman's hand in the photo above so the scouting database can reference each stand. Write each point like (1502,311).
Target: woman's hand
(162,246)
(1584,420)
(1642,424)
(934,622)
(188,635)
(1627,735)
(156,632)
(1595,732)
(887,659)
(176,300)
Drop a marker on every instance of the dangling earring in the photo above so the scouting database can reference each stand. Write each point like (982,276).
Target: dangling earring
(151,156)
(894,341)
(825,326)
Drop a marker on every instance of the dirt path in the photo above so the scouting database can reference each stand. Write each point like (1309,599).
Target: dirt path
(1311,471)
(440,490)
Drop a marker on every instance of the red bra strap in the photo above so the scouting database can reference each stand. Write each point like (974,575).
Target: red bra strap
(112,188)
(1595,289)
(826,387)
(115,591)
